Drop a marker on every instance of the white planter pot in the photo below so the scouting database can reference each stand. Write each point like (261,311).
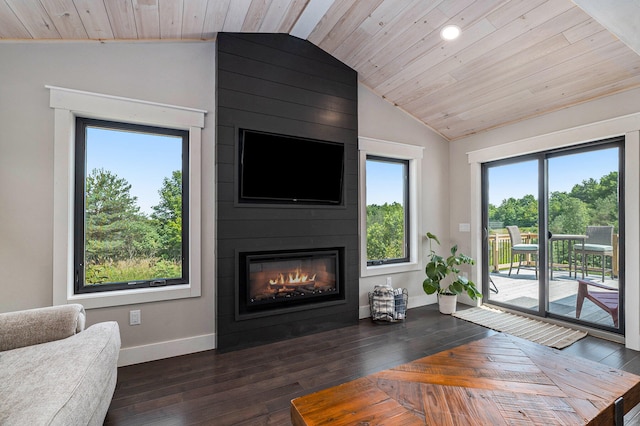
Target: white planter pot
(447,303)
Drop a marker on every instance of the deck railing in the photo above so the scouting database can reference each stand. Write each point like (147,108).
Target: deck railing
(500,249)
(500,252)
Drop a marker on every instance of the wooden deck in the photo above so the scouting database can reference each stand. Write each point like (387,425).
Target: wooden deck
(498,380)
(521,290)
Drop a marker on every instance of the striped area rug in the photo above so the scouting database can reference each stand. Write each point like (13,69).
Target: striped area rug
(551,335)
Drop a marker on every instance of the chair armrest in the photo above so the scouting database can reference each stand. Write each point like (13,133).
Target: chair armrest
(595,284)
(40,325)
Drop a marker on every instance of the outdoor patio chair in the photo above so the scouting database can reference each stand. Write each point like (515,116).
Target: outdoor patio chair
(519,249)
(607,300)
(599,243)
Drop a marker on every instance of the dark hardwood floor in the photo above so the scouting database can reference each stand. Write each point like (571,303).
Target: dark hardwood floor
(255,386)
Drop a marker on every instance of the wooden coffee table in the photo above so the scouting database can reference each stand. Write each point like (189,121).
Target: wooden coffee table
(497,380)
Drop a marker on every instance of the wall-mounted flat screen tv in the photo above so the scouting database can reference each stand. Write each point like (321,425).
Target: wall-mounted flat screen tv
(284,169)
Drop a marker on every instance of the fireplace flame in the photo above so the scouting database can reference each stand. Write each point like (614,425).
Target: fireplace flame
(291,278)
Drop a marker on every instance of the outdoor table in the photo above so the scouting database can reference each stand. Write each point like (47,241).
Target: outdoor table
(571,238)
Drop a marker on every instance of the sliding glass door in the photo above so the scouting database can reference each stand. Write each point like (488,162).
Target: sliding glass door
(583,220)
(512,252)
(554,234)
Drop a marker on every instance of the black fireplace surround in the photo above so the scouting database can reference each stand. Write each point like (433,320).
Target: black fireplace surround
(281,85)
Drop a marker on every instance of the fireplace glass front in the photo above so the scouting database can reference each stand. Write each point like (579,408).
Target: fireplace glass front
(278,279)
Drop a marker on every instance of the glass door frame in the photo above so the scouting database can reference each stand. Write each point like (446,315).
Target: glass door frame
(542,251)
(543,234)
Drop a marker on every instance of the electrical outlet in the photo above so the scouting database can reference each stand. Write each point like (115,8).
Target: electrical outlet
(134,317)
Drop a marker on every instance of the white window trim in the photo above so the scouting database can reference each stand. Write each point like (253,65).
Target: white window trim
(68,104)
(400,151)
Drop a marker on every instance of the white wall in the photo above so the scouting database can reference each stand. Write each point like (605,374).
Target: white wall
(171,73)
(379,119)
(611,116)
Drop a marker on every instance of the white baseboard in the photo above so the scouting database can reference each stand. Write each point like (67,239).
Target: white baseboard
(168,349)
(364,312)
(414,302)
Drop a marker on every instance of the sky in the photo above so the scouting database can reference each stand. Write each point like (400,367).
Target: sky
(518,180)
(384,182)
(144,160)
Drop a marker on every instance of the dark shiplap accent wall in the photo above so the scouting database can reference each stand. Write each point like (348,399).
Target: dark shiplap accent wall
(281,84)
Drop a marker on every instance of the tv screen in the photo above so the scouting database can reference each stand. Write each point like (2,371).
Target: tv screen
(286,169)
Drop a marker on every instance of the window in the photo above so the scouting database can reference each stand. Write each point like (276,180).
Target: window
(387,210)
(131,197)
(390,174)
(178,127)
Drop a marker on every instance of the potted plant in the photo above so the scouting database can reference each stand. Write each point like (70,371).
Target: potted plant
(443,277)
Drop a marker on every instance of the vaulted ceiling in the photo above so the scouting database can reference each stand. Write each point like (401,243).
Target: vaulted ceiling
(514,60)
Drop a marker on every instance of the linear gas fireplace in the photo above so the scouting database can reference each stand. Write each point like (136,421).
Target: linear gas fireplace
(272,281)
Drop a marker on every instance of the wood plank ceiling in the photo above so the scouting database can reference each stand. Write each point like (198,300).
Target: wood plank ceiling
(514,60)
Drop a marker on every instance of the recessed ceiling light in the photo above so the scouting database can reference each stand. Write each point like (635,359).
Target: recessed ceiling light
(450,32)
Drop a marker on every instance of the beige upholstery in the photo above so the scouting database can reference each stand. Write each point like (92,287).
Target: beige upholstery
(34,326)
(599,243)
(68,378)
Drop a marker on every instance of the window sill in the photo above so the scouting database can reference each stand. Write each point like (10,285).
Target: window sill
(130,297)
(394,268)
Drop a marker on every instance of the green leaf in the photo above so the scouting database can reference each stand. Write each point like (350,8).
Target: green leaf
(433,237)
(456,287)
(429,286)
(473,293)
